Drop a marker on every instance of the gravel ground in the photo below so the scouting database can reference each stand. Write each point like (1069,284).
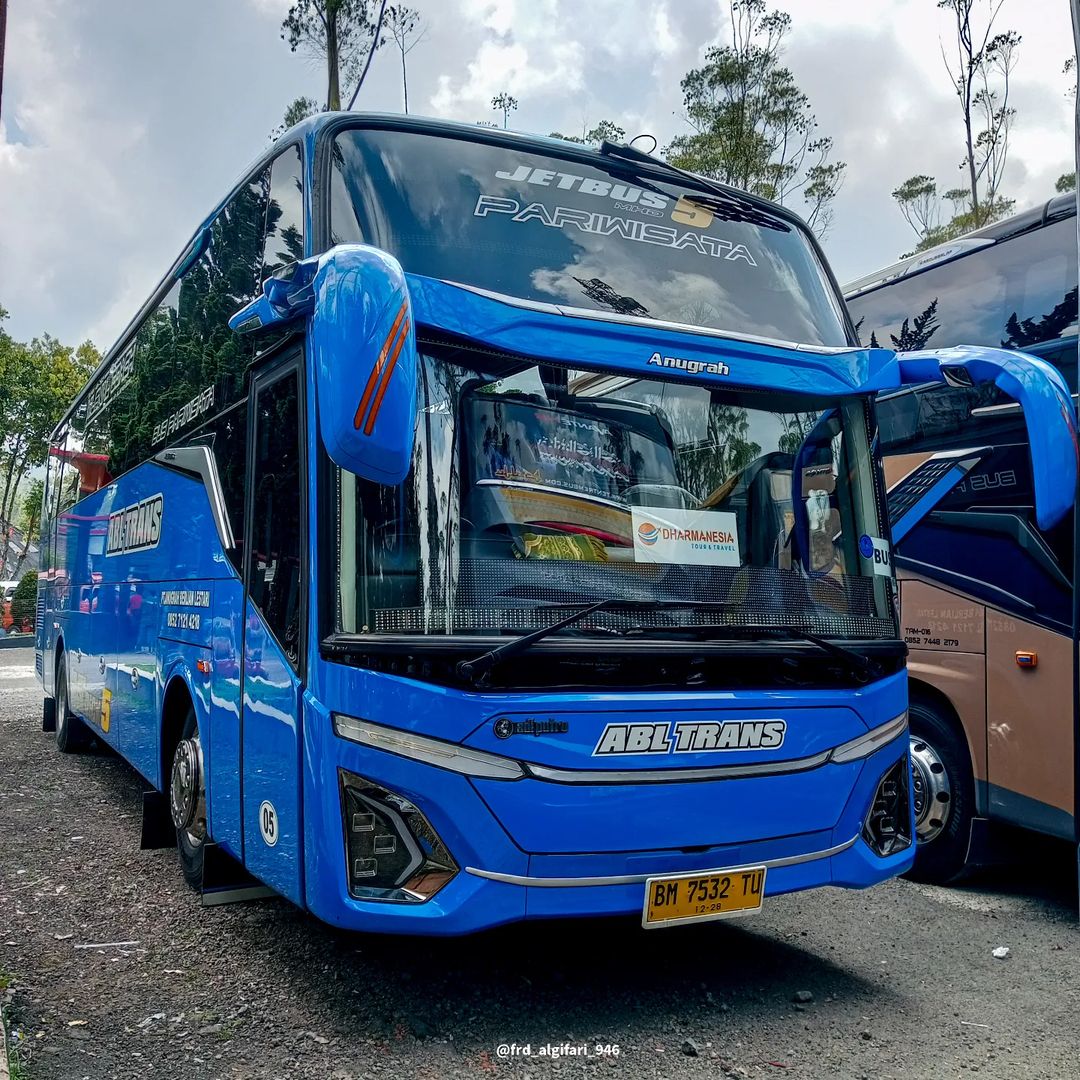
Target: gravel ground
(899,981)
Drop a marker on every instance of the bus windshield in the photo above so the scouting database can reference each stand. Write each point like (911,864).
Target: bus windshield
(535,488)
(597,235)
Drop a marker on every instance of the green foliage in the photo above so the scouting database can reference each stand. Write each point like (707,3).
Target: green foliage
(38,381)
(24,601)
(1065,182)
(339,32)
(506,104)
(753,127)
(921,205)
(300,109)
(605,130)
(30,520)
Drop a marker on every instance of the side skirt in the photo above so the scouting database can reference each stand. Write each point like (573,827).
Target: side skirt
(225,881)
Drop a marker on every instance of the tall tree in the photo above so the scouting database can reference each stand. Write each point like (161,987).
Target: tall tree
(753,127)
(406,27)
(506,103)
(980,73)
(979,64)
(30,520)
(37,383)
(339,32)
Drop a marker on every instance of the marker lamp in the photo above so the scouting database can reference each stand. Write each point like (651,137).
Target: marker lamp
(447,755)
(887,828)
(873,740)
(393,852)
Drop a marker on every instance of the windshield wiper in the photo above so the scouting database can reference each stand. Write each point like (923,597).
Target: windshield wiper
(725,204)
(482,664)
(869,667)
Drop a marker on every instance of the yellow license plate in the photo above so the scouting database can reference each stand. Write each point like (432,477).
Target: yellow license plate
(713,894)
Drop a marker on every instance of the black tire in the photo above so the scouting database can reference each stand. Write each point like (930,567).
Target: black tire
(72,734)
(191,846)
(942,857)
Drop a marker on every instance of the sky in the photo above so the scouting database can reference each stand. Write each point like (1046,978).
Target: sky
(124,121)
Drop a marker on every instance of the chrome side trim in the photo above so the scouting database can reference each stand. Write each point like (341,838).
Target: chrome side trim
(640,879)
(675,776)
(198,461)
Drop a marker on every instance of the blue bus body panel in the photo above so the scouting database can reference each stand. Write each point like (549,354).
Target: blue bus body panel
(147,617)
(539,829)
(271,757)
(223,767)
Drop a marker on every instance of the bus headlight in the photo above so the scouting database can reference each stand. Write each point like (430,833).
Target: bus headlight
(393,853)
(887,828)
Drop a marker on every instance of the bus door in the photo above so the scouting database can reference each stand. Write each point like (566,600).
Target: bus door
(272,655)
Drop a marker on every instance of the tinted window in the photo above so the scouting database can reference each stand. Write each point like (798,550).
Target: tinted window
(522,221)
(274,574)
(184,363)
(284,242)
(1013,294)
(226,435)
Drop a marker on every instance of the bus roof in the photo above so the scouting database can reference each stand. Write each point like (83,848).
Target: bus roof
(1060,206)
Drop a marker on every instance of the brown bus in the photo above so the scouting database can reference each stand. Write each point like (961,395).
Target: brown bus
(987,601)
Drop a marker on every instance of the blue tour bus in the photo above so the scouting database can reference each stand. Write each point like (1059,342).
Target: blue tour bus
(474,527)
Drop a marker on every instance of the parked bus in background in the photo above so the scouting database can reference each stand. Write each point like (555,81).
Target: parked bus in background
(458,535)
(986,594)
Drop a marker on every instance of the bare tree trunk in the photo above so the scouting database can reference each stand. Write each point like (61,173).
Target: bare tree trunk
(965,78)
(333,91)
(404,81)
(12,468)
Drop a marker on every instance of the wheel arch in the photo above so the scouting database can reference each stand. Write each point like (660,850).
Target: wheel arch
(927,694)
(175,703)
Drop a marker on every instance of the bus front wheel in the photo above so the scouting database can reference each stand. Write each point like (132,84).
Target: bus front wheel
(943,793)
(71,733)
(187,800)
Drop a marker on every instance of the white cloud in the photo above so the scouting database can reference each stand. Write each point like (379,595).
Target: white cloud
(123,123)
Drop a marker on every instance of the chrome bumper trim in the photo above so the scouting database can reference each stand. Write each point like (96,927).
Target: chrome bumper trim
(640,879)
(675,775)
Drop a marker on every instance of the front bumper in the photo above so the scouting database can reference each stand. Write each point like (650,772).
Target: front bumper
(500,883)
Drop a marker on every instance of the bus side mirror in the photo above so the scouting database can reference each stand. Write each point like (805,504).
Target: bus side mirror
(1042,395)
(362,343)
(286,296)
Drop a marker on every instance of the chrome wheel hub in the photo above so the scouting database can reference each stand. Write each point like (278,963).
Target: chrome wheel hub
(187,800)
(930,791)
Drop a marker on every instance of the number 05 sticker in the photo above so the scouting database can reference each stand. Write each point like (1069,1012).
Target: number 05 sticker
(268,823)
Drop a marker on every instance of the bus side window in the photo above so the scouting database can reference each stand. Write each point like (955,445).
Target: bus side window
(226,435)
(284,243)
(276,530)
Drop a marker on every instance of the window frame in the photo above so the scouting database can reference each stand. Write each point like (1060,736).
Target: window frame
(288,361)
